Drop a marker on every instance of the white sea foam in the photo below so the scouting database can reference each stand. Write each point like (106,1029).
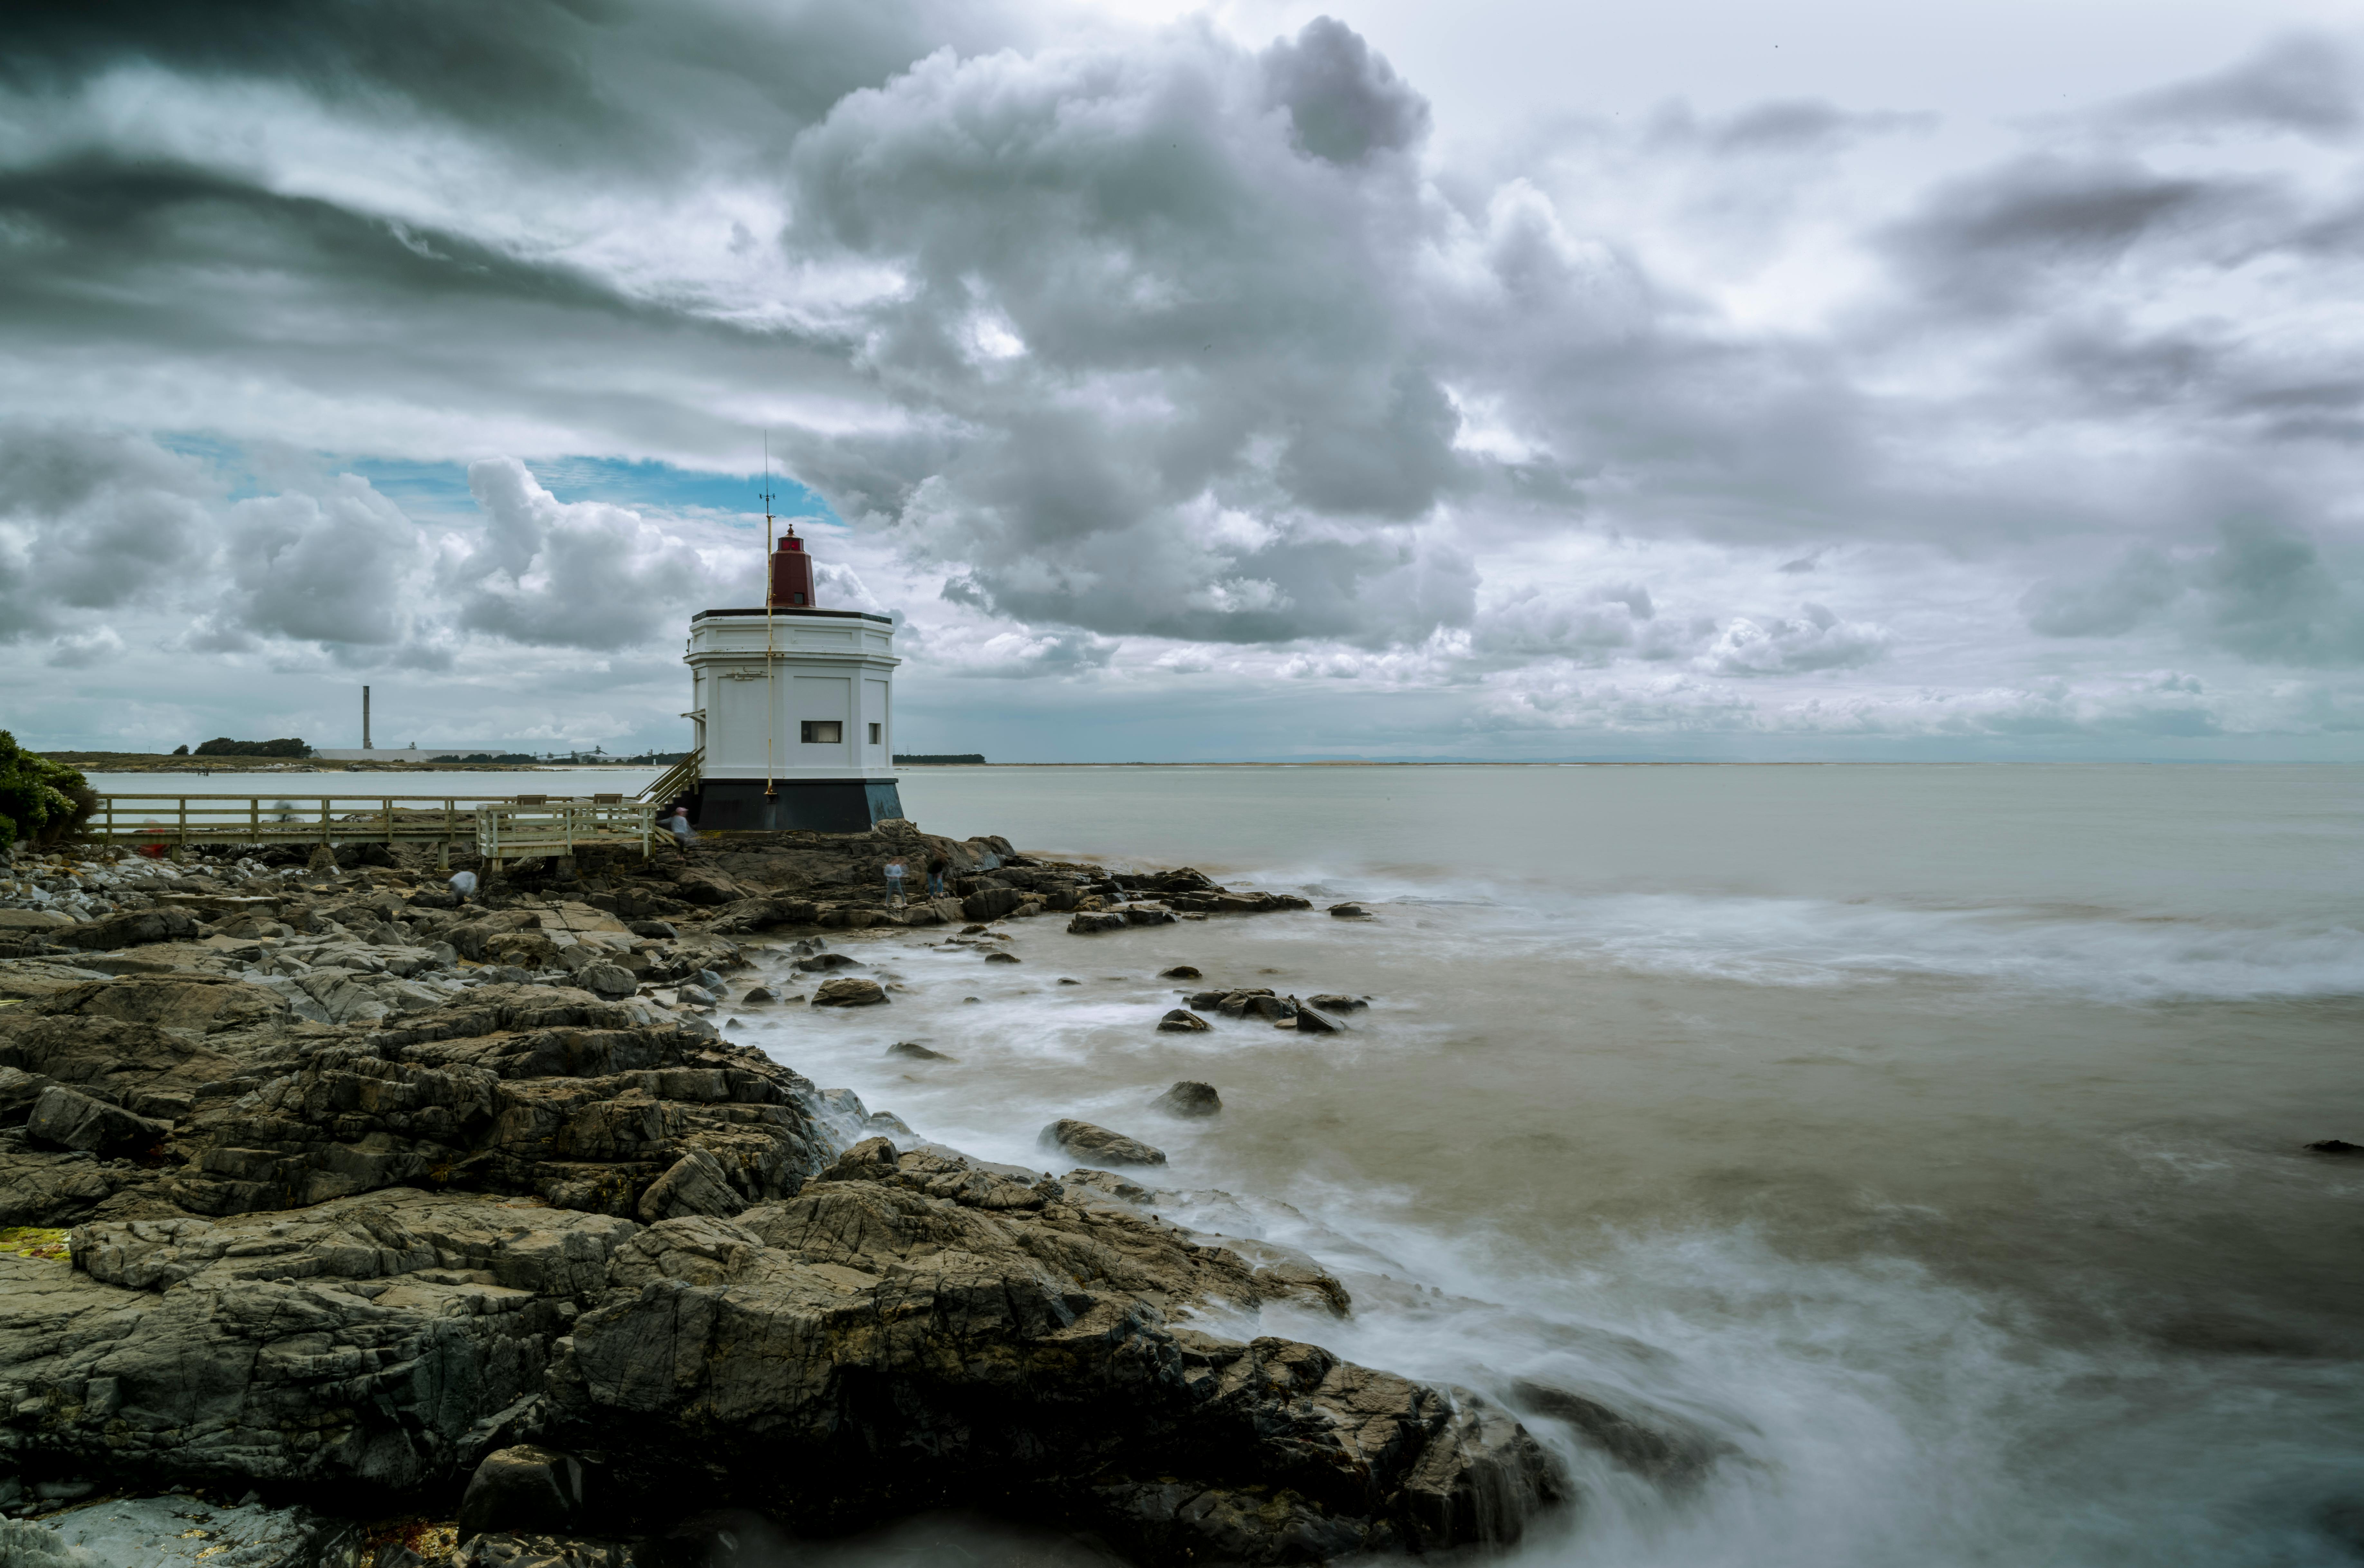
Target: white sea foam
(2103,955)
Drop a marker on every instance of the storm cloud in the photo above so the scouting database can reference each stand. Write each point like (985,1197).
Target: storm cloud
(1140,359)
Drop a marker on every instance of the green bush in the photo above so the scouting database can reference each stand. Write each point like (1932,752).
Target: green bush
(41,801)
(223,746)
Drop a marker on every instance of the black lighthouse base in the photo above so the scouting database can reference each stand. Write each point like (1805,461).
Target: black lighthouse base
(810,805)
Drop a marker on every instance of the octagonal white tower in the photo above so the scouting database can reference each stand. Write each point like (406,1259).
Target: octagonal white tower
(794,709)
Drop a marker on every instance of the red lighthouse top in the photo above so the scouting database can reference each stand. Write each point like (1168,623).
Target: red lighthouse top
(792,574)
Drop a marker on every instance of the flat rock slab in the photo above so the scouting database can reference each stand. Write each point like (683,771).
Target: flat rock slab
(169,1531)
(580,917)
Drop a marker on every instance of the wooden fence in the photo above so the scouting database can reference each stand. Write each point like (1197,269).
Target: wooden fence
(514,822)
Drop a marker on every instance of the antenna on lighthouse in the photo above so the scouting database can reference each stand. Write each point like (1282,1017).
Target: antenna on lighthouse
(771,660)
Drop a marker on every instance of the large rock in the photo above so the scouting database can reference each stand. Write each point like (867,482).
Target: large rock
(1190,1099)
(848,991)
(182,1531)
(1088,922)
(526,1489)
(1181,1021)
(694,1183)
(514,1090)
(1085,1141)
(911,1330)
(708,887)
(991,903)
(609,980)
(67,1118)
(916,1331)
(365,1342)
(469,937)
(127,930)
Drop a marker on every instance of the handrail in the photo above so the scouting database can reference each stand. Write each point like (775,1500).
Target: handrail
(679,779)
(504,828)
(506,832)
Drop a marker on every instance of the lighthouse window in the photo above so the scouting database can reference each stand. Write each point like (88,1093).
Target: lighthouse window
(795,599)
(873,733)
(823,732)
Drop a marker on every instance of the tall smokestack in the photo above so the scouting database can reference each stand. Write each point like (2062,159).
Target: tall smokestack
(365,741)
(792,574)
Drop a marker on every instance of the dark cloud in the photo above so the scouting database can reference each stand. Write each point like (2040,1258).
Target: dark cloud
(1152,335)
(2262,591)
(1344,102)
(91,521)
(2308,83)
(1995,241)
(2141,584)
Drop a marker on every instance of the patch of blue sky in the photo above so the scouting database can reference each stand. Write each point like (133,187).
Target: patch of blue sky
(662,486)
(424,490)
(439,489)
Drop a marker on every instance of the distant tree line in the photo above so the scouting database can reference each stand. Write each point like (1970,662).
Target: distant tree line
(224,746)
(936,759)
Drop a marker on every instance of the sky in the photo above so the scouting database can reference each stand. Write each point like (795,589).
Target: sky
(1507,380)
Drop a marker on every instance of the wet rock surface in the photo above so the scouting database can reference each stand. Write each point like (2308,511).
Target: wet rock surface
(1082,1141)
(392,1202)
(1190,1099)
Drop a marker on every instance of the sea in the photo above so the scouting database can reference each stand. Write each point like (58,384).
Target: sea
(1925,1145)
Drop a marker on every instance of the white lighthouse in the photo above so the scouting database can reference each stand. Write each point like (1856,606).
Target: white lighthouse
(794,709)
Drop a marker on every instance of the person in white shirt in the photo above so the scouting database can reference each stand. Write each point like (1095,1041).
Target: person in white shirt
(895,882)
(463,883)
(678,826)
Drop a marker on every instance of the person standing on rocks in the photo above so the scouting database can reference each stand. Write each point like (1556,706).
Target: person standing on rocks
(678,826)
(895,882)
(937,866)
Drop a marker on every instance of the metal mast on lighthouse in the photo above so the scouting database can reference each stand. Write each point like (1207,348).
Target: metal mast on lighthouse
(770,657)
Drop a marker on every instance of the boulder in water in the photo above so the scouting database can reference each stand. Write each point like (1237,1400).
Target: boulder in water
(912,1050)
(1083,1141)
(1311,1020)
(1000,957)
(820,963)
(1179,972)
(2335,1146)
(1181,1021)
(1350,911)
(1189,1098)
(1331,1002)
(849,992)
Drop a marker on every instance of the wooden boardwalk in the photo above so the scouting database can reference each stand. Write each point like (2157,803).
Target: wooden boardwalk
(499,827)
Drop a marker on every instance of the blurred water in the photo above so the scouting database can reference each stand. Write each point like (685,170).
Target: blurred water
(1930,1137)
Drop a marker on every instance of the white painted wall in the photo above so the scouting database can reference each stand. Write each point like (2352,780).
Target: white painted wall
(834,669)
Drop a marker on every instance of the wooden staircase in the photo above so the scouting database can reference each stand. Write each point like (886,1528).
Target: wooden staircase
(676,781)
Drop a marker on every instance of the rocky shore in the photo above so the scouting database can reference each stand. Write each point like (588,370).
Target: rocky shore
(344,1223)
